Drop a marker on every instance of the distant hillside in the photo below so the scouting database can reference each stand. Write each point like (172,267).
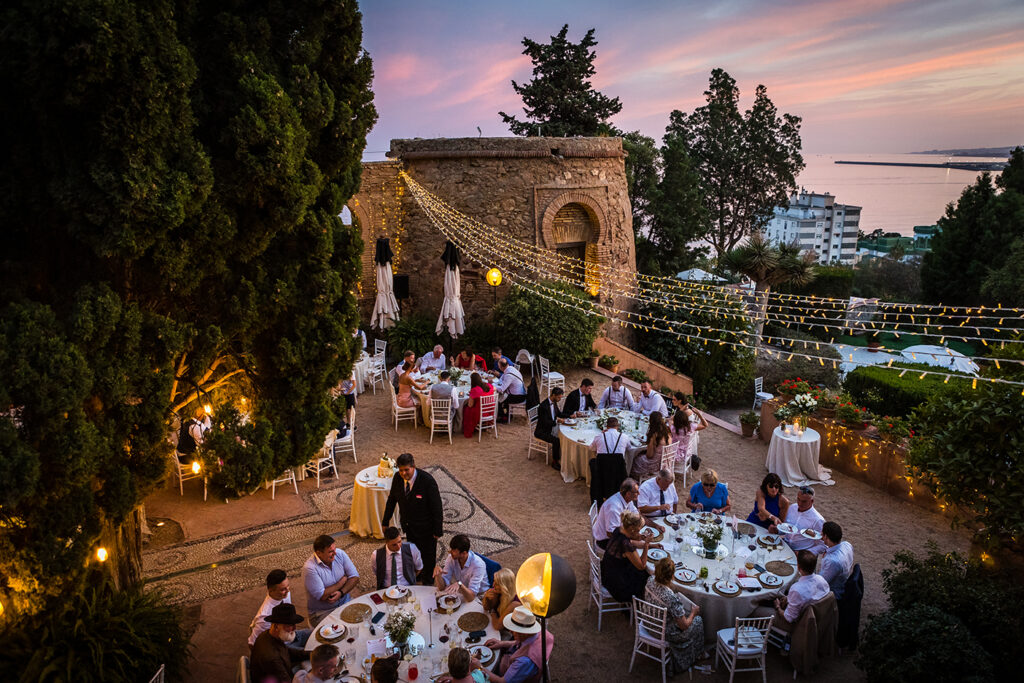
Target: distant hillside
(1001,152)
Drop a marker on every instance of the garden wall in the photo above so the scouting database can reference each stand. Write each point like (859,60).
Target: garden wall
(660,375)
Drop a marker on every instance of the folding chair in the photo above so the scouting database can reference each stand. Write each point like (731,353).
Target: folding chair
(440,417)
(649,640)
(759,395)
(488,415)
(536,445)
(599,595)
(748,639)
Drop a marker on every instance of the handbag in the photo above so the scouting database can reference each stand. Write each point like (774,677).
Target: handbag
(695,462)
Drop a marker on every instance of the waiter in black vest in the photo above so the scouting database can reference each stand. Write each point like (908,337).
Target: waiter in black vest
(419,505)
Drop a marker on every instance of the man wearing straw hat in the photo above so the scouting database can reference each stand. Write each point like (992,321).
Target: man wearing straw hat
(522,661)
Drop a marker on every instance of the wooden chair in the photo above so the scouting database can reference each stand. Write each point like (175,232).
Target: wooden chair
(536,445)
(188,471)
(158,677)
(649,639)
(668,457)
(242,675)
(488,415)
(379,346)
(440,417)
(377,373)
(748,639)
(599,595)
(760,396)
(346,444)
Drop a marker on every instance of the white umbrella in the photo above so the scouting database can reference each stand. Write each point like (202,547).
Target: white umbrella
(452,315)
(385,308)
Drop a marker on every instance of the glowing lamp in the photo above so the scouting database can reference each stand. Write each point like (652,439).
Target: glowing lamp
(1,609)
(101,554)
(208,408)
(196,467)
(546,584)
(494,277)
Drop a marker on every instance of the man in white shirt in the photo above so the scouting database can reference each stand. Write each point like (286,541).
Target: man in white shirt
(610,515)
(837,562)
(434,360)
(616,396)
(803,516)
(278,592)
(407,357)
(650,401)
(464,572)
(810,587)
(323,663)
(397,563)
(611,440)
(658,495)
(510,385)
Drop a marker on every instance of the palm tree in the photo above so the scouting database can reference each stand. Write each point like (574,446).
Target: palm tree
(767,265)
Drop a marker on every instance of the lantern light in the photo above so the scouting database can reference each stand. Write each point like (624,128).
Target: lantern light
(208,408)
(101,554)
(494,277)
(196,467)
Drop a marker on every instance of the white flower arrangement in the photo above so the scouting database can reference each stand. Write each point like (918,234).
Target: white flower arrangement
(399,625)
(804,404)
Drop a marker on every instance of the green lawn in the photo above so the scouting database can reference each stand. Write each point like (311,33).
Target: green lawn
(890,341)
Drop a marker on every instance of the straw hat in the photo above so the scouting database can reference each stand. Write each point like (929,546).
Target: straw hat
(521,620)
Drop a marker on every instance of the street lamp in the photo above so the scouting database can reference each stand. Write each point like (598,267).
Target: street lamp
(547,585)
(493,278)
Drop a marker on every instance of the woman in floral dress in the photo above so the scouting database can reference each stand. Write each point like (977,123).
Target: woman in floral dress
(685,628)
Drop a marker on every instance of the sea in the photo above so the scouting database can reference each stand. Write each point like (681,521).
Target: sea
(894,198)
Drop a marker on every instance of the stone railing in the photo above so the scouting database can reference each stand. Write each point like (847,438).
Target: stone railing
(660,375)
(876,462)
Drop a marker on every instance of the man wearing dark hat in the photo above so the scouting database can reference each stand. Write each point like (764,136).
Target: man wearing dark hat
(270,660)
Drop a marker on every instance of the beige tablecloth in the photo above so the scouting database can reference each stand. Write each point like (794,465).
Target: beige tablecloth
(428,625)
(795,458)
(369,496)
(717,610)
(575,443)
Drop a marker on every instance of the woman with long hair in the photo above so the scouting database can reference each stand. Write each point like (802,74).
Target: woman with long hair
(500,599)
(405,386)
(471,413)
(658,436)
(769,504)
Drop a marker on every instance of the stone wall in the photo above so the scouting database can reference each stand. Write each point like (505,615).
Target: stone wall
(515,184)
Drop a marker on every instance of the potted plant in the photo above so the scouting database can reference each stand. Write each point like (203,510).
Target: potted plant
(592,358)
(784,413)
(853,416)
(610,363)
(893,429)
(827,402)
(791,387)
(748,422)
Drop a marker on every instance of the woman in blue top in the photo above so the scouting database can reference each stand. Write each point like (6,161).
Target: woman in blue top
(709,495)
(769,505)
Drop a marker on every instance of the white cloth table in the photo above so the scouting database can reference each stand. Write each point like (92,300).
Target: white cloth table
(460,394)
(795,458)
(360,370)
(575,442)
(369,496)
(720,611)
(426,595)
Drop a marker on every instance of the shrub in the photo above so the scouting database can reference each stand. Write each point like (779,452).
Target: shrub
(893,428)
(638,376)
(793,387)
(101,634)
(608,362)
(414,332)
(749,418)
(884,392)
(238,457)
(775,369)
(852,415)
(561,333)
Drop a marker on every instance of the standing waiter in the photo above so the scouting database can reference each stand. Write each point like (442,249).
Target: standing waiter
(419,505)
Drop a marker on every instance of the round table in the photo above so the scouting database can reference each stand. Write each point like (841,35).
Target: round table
(720,611)
(430,626)
(360,369)
(459,396)
(795,458)
(369,496)
(575,441)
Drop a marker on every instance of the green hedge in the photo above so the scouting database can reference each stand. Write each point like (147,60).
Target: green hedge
(884,392)
(561,325)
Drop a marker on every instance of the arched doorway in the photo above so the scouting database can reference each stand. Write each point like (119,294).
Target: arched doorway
(574,231)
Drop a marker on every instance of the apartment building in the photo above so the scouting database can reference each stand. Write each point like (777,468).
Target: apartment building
(817,223)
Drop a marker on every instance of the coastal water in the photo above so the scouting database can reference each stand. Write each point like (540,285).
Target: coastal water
(894,198)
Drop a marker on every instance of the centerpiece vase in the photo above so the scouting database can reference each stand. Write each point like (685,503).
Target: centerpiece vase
(802,421)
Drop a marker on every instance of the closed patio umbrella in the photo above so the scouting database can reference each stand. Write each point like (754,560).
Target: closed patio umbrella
(452,315)
(385,308)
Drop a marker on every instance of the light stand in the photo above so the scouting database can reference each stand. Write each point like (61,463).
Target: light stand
(546,584)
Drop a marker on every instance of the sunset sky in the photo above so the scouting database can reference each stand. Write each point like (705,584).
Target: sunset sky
(865,75)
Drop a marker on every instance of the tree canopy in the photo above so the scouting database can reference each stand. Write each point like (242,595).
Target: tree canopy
(560,100)
(174,174)
(745,164)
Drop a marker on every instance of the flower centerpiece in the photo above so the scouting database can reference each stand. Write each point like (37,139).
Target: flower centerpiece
(601,422)
(792,387)
(399,627)
(804,406)
(784,413)
(710,535)
(455,375)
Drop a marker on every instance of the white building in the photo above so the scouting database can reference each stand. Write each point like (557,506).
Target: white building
(816,223)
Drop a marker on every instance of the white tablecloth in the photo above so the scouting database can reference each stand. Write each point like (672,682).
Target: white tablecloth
(717,610)
(369,496)
(795,458)
(575,443)
(361,368)
(430,626)
(423,397)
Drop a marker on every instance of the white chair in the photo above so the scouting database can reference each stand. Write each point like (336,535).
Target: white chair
(187,471)
(668,456)
(346,444)
(759,395)
(399,412)
(440,417)
(592,513)
(681,466)
(377,373)
(599,595)
(379,346)
(158,677)
(285,477)
(242,675)
(324,459)
(488,415)
(748,639)
(548,378)
(536,445)
(649,640)
(516,409)
(524,356)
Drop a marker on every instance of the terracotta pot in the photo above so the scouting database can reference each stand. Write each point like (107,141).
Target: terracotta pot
(592,362)
(615,369)
(827,412)
(748,429)
(786,398)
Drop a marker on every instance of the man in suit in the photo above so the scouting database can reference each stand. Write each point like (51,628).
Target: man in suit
(419,504)
(580,399)
(549,415)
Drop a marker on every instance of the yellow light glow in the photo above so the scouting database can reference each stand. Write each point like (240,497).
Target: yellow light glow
(533,583)
(101,554)
(208,408)
(494,277)
(196,467)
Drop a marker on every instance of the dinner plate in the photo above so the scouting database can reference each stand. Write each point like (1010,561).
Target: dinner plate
(770,539)
(569,422)
(769,579)
(727,587)
(811,534)
(333,630)
(483,653)
(655,554)
(396,592)
(685,575)
(449,602)
(707,517)
(786,528)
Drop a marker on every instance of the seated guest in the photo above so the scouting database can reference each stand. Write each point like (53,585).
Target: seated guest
(685,627)
(658,437)
(270,660)
(444,389)
(460,668)
(407,357)
(580,399)
(697,422)
(769,503)
(397,563)
(497,356)
(608,466)
(623,566)
(609,516)
(658,495)
(406,383)
(511,386)
(650,401)
(471,413)
(329,577)
(523,655)
(837,562)
(384,670)
(549,416)
(278,592)
(803,516)
(434,360)
(616,396)
(611,440)
(709,495)
(500,599)
(682,431)
(464,571)
(323,666)
(810,587)
(467,360)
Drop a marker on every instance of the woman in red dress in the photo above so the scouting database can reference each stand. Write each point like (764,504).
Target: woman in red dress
(467,360)
(471,413)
